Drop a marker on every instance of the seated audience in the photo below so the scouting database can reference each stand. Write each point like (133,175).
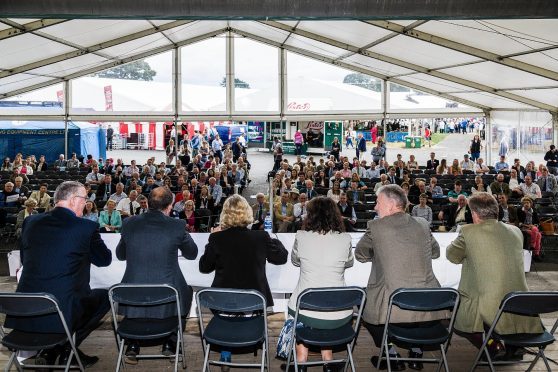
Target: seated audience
(90,211)
(335,191)
(347,212)
(383,181)
(189,214)
(23,214)
(260,210)
(433,188)
(547,182)
(530,189)
(480,167)
(109,219)
(528,220)
(129,206)
(499,186)
(457,190)
(41,196)
(283,214)
(322,251)
(502,263)
(480,186)
(502,165)
(237,255)
(355,195)
(423,210)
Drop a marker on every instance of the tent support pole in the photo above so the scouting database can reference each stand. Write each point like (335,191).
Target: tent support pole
(554,127)
(66,116)
(177,92)
(488,136)
(385,107)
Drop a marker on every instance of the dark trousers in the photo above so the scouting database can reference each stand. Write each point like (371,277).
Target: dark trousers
(95,306)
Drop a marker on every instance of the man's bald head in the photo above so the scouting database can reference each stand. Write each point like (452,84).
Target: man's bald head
(160,199)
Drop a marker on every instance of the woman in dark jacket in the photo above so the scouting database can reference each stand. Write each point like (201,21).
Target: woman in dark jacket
(528,222)
(238,255)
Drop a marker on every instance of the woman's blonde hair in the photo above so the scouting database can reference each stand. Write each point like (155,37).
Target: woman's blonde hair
(236,212)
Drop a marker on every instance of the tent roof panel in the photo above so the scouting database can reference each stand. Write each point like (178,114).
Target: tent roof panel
(90,32)
(314,46)
(18,81)
(26,48)
(549,96)
(350,32)
(493,101)
(498,76)
(258,28)
(193,29)
(435,83)
(376,65)
(69,66)
(547,59)
(487,37)
(420,52)
(136,46)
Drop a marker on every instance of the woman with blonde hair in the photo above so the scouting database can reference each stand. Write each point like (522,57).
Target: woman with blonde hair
(238,255)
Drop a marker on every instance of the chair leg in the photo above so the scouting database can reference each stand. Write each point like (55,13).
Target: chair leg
(264,353)
(182,350)
(444,359)
(176,354)
(388,362)
(545,361)
(74,352)
(350,358)
(119,362)
(206,358)
(268,362)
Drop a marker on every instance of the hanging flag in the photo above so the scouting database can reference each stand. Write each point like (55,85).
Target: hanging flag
(108,98)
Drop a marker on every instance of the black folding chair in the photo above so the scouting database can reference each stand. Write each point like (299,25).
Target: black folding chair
(146,295)
(528,304)
(326,300)
(421,300)
(31,305)
(239,322)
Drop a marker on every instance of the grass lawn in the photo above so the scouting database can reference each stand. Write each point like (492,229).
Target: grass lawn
(436,138)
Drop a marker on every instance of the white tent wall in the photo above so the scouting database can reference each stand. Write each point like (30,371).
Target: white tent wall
(526,135)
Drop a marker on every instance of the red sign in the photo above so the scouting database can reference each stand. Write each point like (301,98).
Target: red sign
(295,106)
(60,95)
(108,98)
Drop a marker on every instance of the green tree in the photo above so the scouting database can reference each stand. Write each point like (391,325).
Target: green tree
(237,83)
(363,81)
(137,70)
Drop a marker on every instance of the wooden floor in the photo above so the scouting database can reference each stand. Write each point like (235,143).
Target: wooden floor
(460,355)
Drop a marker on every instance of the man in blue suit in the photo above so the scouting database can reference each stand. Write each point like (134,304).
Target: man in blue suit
(57,251)
(361,145)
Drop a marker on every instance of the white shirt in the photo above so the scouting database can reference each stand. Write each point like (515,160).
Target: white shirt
(533,191)
(467,165)
(124,206)
(299,211)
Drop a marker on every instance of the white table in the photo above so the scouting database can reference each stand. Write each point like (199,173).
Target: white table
(282,278)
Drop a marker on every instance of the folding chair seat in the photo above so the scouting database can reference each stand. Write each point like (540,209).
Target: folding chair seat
(528,304)
(327,300)
(141,329)
(420,300)
(31,305)
(239,322)
(204,216)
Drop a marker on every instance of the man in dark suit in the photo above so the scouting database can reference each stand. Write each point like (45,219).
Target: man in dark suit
(392,177)
(105,189)
(432,163)
(361,145)
(156,263)
(58,248)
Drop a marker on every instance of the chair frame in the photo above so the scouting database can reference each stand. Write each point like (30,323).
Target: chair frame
(443,347)
(179,351)
(265,361)
(350,346)
(488,335)
(52,309)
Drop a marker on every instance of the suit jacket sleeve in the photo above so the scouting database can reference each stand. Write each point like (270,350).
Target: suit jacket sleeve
(101,256)
(435,247)
(121,247)
(456,251)
(189,249)
(276,252)
(294,254)
(364,251)
(350,259)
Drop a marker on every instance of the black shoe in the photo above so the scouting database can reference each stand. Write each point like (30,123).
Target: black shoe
(168,348)
(413,364)
(396,365)
(46,357)
(86,360)
(132,351)
(330,368)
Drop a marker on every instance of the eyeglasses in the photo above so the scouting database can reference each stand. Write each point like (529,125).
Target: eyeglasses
(81,197)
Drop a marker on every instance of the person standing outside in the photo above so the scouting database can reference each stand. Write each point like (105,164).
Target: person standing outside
(373,133)
(348,139)
(217,146)
(361,146)
(58,248)
(110,133)
(551,158)
(298,142)
(502,263)
(475,148)
(401,249)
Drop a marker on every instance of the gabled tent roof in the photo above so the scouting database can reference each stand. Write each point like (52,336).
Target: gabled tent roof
(488,64)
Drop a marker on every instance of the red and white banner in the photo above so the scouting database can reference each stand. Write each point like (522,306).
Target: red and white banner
(108,98)
(60,95)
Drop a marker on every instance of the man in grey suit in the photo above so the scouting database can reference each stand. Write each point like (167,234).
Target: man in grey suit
(149,243)
(401,249)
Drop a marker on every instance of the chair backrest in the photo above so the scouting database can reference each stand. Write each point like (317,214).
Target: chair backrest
(331,298)
(530,303)
(231,300)
(143,294)
(421,299)
(27,304)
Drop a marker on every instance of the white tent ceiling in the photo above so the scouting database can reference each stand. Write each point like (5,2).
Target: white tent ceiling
(487,64)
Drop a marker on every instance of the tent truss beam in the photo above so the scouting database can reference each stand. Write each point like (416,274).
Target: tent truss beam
(21,29)
(410,66)
(466,49)
(91,49)
(118,62)
(362,70)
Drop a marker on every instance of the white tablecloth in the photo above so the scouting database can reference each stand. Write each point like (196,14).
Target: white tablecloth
(283,278)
